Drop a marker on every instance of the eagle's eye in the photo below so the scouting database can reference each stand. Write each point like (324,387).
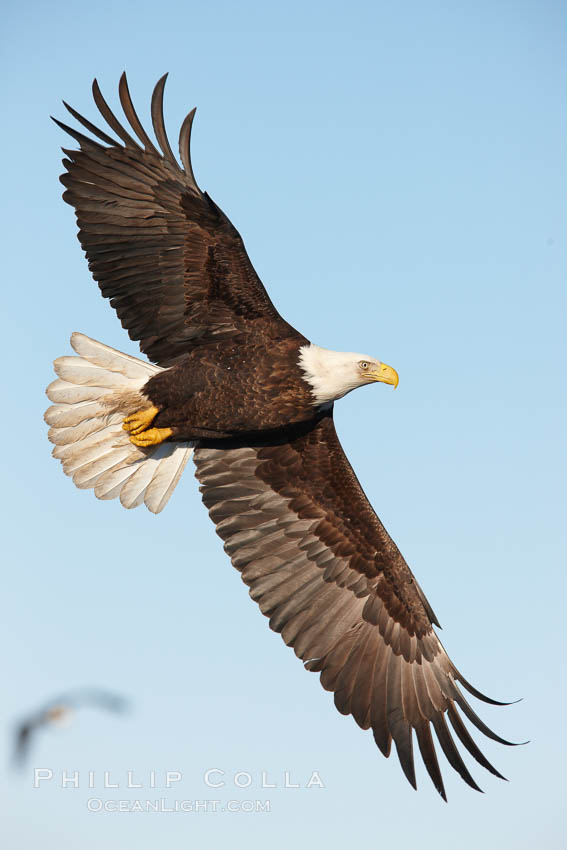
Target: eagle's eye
(363,365)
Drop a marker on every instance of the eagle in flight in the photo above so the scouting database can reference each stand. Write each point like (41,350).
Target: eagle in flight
(233,385)
(58,711)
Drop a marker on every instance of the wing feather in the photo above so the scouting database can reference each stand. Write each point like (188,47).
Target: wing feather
(111,118)
(131,115)
(158,121)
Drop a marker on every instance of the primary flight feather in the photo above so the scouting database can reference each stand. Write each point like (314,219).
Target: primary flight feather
(252,400)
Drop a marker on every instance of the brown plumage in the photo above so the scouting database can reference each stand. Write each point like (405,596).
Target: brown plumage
(254,398)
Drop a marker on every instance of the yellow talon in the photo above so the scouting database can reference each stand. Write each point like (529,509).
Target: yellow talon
(151,437)
(139,421)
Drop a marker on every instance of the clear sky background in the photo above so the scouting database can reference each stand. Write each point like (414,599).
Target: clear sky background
(397,173)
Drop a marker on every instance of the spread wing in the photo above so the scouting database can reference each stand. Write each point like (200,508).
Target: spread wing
(22,743)
(173,266)
(321,566)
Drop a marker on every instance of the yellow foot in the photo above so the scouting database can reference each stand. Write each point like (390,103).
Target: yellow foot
(138,422)
(151,437)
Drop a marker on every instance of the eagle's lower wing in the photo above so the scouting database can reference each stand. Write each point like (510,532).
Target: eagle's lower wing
(321,566)
(173,265)
(22,743)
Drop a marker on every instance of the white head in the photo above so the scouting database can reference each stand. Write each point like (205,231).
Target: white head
(333,374)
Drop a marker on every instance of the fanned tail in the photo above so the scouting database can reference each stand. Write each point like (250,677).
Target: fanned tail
(92,395)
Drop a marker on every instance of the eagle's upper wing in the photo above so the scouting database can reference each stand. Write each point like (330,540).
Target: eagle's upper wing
(93,697)
(321,566)
(171,262)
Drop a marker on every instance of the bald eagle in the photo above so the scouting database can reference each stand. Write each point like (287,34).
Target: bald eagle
(58,711)
(251,399)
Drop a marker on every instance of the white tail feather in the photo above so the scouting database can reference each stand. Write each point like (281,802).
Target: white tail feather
(92,395)
(134,491)
(67,436)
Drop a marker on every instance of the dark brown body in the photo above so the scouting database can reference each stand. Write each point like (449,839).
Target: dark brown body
(232,387)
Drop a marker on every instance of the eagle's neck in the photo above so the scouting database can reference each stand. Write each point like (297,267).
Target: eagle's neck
(328,373)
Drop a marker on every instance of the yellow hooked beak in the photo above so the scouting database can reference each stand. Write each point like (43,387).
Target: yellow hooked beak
(385,375)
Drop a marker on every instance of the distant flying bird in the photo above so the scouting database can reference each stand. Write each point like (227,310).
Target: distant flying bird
(57,711)
(252,398)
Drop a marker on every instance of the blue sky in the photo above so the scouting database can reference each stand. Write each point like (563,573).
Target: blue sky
(397,173)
